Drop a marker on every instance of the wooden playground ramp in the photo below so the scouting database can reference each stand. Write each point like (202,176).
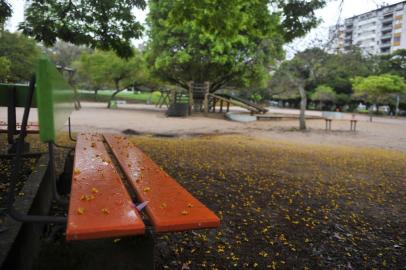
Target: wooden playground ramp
(240,102)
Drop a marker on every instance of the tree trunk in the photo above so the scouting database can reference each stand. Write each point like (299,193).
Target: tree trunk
(303,105)
(117,83)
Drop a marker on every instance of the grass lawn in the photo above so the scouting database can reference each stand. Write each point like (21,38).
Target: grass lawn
(282,206)
(104,96)
(286,206)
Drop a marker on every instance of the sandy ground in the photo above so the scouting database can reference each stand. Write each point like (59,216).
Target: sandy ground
(383,132)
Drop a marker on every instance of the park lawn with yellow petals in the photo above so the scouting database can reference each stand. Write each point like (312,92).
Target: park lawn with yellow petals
(286,205)
(283,205)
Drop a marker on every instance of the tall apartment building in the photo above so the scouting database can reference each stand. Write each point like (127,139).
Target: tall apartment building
(380,31)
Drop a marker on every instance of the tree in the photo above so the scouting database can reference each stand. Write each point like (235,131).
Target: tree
(342,67)
(394,63)
(5,13)
(106,68)
(301,74)
(323,94)
(225,42)
(4,69)
(108,25)
(378,89)
(22,54)
(64,54)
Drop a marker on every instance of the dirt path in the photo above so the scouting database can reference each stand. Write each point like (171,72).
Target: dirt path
(387,133)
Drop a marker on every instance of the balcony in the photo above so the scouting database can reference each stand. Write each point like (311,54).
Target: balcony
(388,20)
(387,27)
(386,45)
(387,32)
(386,36)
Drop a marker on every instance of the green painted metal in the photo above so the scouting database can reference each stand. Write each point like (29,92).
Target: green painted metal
(55,99)
(21,97)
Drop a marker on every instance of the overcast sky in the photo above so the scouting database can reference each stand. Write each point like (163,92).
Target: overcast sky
(329,15)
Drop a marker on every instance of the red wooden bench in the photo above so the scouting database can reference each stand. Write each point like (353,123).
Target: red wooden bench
(100,206)
(99,203)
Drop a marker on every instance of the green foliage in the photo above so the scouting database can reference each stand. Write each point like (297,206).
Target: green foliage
(4,68)
(342,67)
(323,93)
(256,97)
(377,89)
(21,53)
(108,25)
(394,63)
(316,67)
(227,42)
(106,69)
(5,12)
(305,69)
(298,17)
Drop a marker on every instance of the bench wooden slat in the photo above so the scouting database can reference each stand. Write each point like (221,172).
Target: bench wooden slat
(99,206)
(171,207)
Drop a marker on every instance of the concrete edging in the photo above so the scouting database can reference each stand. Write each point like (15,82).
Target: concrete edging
(19,245)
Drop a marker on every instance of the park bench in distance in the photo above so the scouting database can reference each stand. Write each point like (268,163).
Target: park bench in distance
(100,205)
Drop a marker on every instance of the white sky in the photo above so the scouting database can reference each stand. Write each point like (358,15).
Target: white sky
(329,15)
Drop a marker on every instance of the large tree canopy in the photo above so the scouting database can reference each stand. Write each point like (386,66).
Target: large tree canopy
(99,24)
(377,89)
(224,42)
(5,12)
(106,69)
(21,54)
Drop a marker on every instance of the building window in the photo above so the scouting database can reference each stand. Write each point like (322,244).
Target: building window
(396,39)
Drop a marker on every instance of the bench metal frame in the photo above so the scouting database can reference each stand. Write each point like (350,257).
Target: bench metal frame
(12,212)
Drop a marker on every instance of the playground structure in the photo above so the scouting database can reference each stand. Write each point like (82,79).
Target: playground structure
(100,205)
(199,99)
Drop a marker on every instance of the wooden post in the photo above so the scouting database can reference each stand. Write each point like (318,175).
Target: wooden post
(228,106)
(173,96)
(206,97)
(190,85)
(11,115)
(221,106)
(214,104)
